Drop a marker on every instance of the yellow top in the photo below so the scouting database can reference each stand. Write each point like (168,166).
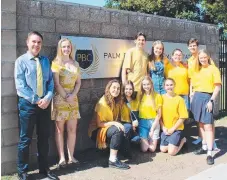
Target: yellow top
(105,113)
(125,111)
(146,109)
(180,76)
(173,109)
(205,79)
(191,65)
(136,60)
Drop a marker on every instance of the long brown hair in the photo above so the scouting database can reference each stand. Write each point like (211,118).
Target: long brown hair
(198,65)
(58,58)
(110,100)
(152,55)
(152,92)
(128,82)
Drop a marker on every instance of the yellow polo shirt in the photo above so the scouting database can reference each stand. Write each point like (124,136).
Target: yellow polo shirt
(146,110)
(173,109)
(136,60)
(180,76)
(205,79)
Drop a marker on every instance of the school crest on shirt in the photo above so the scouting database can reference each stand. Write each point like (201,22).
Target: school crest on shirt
(88,60)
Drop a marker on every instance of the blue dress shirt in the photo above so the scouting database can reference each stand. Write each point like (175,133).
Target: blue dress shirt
(25,75)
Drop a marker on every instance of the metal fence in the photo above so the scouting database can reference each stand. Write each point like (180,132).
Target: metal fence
(223,70)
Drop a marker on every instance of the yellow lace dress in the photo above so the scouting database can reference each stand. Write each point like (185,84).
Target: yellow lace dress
(61,109)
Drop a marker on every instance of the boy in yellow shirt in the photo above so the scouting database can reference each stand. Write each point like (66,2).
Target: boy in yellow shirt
(174,112)
(135,62)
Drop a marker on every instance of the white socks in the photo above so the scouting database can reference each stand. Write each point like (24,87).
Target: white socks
(209,153)
(204,147)
(112,158)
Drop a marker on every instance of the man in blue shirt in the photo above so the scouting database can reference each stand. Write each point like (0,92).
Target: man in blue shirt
(33,104)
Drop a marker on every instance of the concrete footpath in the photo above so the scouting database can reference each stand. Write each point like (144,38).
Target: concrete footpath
(218,172)
(150,166)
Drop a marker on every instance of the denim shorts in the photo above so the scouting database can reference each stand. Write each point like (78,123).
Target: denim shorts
(144,129)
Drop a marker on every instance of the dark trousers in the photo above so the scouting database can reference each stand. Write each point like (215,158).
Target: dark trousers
(117,139)
(29,115)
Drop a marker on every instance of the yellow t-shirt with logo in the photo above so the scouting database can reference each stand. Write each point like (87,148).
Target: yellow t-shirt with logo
(205,79)
(173,109)
(125,111)
(136,60)
(191,65)
(180,75)
(146,109)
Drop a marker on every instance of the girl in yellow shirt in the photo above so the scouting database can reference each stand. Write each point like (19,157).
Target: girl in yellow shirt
(206,82)
(174,112)
(129,112)
(106,127)
(149,114)
(157,66)
(179,73)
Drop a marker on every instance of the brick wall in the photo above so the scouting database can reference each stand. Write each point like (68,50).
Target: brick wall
(54,18)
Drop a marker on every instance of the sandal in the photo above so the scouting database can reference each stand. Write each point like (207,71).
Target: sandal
(73,161)
(61,165)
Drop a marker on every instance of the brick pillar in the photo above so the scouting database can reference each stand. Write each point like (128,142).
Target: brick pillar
(9,121)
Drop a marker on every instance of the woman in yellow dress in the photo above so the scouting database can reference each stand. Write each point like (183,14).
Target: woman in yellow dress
(67,83)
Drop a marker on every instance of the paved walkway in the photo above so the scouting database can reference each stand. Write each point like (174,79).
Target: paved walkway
(155,166)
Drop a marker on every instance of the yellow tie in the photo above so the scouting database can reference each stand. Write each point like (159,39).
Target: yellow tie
(39,78)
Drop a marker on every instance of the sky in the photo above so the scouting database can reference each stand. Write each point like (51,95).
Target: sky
(88,2)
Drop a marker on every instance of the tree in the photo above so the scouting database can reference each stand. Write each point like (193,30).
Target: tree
(209,11)
(215,12)
(183,9)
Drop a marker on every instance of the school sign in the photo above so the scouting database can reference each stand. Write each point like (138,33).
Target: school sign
(102,57)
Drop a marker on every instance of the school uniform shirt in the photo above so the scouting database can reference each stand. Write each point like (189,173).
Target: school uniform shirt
(146,109)
(173,109)
(105,113)
(191,65)
(125,111)
(205,79)
(180,75)
(136,60)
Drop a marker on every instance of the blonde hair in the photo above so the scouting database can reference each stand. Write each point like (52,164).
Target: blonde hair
(58,58)
(198,65)
(152,92)
(152,55)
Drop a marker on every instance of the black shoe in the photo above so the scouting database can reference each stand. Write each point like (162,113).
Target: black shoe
(118,164)
(200,151)
(49,174)
(210,160)
(23,176)
(127,154)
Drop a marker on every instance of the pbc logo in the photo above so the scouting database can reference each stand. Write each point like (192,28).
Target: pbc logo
(88,60)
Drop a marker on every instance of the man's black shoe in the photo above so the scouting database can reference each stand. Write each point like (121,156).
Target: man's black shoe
(118,164)
(210,160)
(23,176)
(49,174)
(200,151)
